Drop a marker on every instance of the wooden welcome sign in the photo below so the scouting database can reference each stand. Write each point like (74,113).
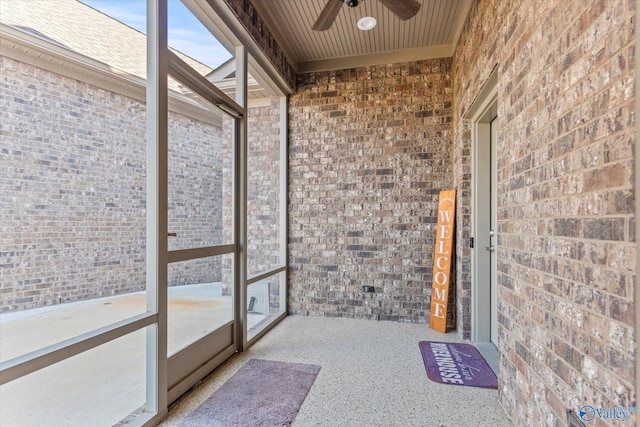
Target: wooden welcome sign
(440,289)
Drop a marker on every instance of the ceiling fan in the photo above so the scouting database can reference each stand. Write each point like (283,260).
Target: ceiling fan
(403,9)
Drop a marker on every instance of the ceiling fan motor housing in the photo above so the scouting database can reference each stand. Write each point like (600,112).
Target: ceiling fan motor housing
(403,9)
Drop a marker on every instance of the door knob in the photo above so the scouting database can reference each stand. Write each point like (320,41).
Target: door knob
(490,248)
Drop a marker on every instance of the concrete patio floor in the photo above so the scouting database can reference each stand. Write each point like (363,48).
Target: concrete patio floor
(371,374)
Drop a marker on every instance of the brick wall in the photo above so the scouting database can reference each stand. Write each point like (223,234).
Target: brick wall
(369,150)
(565,205)
(263,196)
(195,197)
(247,14)
(73,190)
(263,188)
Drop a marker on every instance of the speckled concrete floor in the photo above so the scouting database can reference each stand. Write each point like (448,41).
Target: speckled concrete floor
(372,375)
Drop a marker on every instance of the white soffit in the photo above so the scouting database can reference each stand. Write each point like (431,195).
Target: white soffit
(432,33)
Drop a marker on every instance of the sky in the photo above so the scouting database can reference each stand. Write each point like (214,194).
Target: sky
(185,33)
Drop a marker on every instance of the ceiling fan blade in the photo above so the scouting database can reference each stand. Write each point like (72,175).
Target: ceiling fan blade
(403,9)
(328,15)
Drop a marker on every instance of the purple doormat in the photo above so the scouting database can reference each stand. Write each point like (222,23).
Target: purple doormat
(261,393)
(456,363)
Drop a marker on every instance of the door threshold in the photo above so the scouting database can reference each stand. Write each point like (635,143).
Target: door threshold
(489,351)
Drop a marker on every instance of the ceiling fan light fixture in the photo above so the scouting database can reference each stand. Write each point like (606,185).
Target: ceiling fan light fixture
(367,23)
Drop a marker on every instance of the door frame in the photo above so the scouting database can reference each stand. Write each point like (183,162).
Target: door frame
(479,116)
(172,375)
(193,362)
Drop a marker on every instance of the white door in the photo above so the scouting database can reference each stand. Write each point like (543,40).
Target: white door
(483,117)
(491,249)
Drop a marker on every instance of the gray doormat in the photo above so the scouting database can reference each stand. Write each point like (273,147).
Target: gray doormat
(262,393)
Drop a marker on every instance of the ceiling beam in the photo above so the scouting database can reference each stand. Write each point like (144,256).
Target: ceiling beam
(392,57)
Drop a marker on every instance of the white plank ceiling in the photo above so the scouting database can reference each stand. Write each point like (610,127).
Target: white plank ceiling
(432,33)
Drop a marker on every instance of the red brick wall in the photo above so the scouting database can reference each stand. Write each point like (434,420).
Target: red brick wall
(566,243)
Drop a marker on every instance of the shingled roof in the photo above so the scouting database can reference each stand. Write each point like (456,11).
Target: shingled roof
(85,30)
